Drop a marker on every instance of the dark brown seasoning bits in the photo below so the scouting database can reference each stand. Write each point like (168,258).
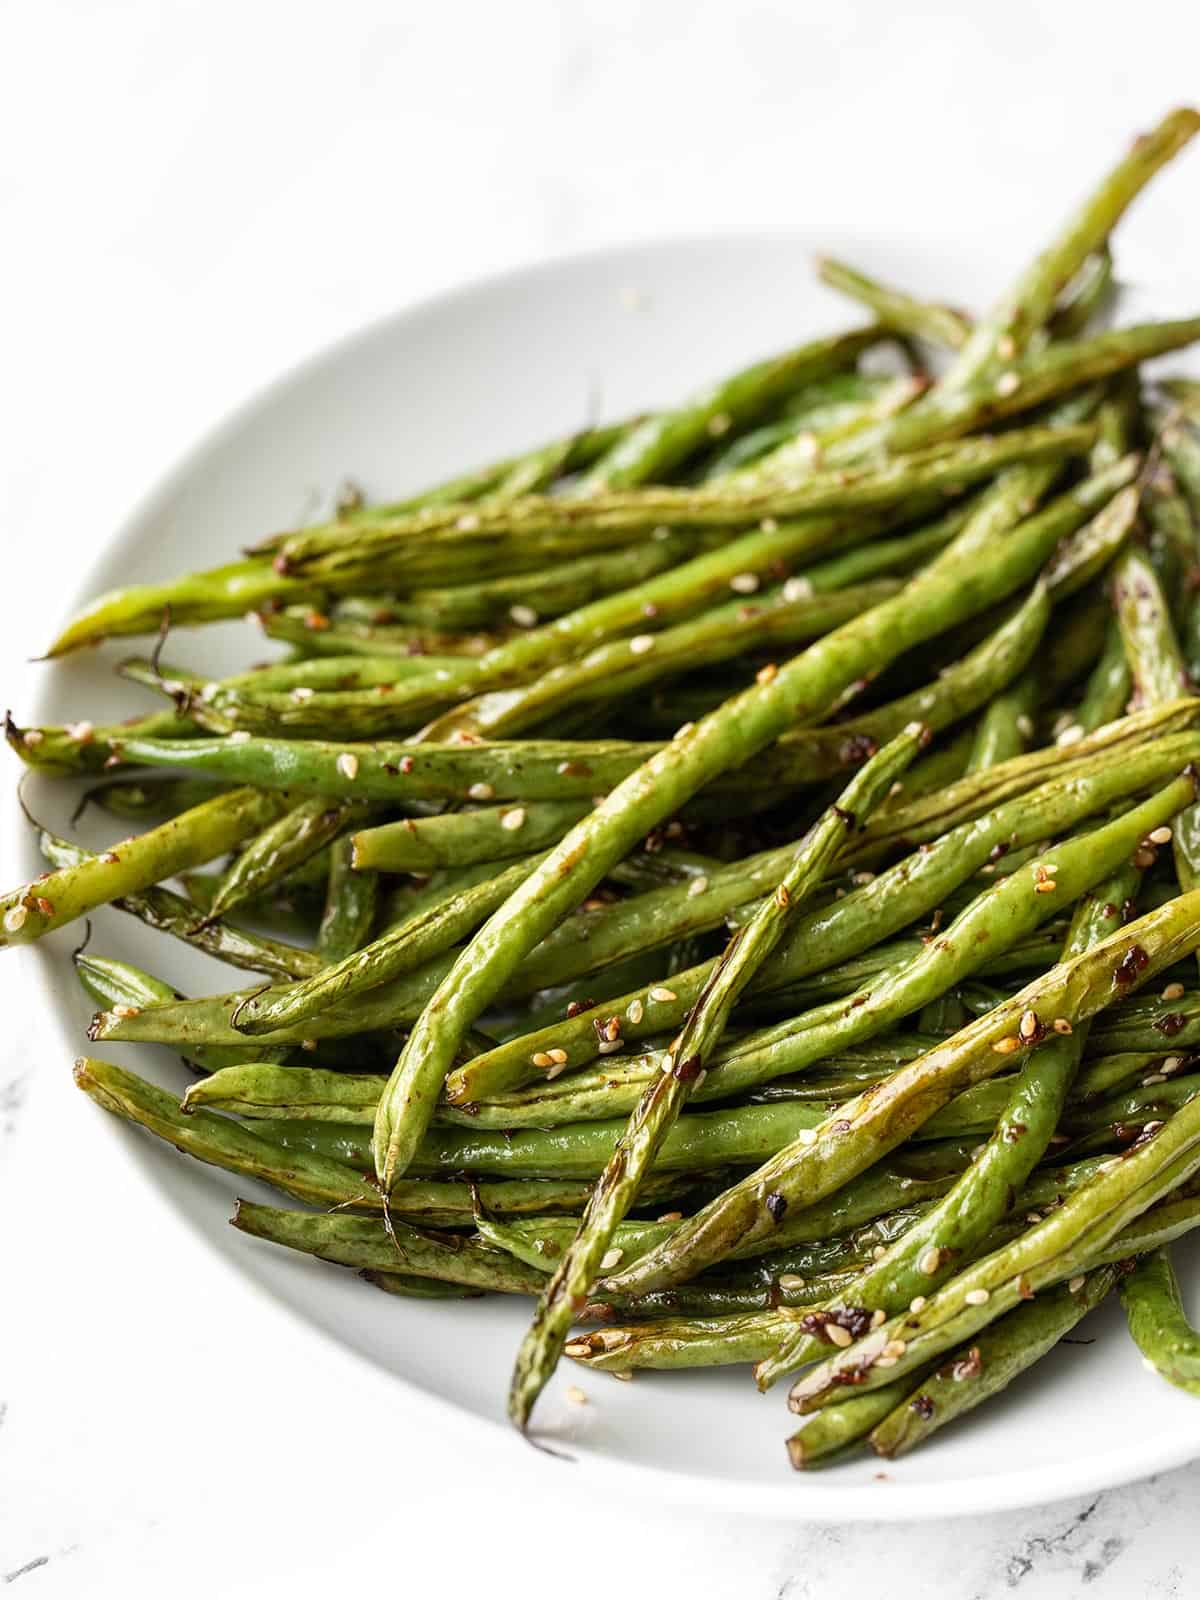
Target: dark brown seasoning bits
(777,1205)
(1131,966)
(923,1406)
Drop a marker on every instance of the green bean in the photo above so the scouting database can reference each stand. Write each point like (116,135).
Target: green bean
(82,747)
(1025,306)
(286,842)
(133,865)
(663,441)
(351,903)
(1006,726)
(662,1100)
(366,1243)
(1158,1323)
(865,1128)
(832,1433)
(972,1375)
(1109,684)
(1146,632)
(321,634)
(894,308)
(465,838)
(154,797)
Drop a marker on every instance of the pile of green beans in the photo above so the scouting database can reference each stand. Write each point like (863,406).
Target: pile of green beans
(730,876)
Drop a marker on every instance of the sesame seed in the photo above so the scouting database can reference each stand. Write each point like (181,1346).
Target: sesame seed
(1029,1024)
(667,1064)
(697,886)
(769,525)
(660,533)
(468,522)
(1159,836)
(81,732)
(1076,1284)
(1171,1064)
(887,1361)
(1033,1216)
(897,788)
(1007,383)
(1173,991)
(347,765)
(677,1216)
(302,692)
(576,1395)
(977,1297)
(797,589)
(539,1058)
(878,1318)
(791,1280)
(930,1261)
(1006,1046)
(481,791)
(308,1044)
(767,674)
(1061,1025)
(861,878)
(612,1028)
(523,616)
(744,582)
(622,1377)
(239,736)
(917,1303)
(608,1047)
(635,1011)
(558,1056)
(838,1335)
(610,1259)
(782,897)
(1025,725)
(895,1347)
(32,737)
(659,993)
(124,1011)
(1071,734)
(1047,886)
(640,643)
(510,821)
(807,1136)
(1152,1078)
(878,1253)
(682,731)
(14,919)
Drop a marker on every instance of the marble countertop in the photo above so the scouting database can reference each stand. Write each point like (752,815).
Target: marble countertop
(198,195)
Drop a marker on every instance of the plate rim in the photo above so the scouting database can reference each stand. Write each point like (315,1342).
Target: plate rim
(811,1499)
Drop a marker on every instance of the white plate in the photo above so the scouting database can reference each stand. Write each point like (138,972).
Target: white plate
(464,378)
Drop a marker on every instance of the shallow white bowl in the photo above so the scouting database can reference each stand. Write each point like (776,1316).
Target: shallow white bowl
(464,378)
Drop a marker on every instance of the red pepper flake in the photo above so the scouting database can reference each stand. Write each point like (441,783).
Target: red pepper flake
(1133,963)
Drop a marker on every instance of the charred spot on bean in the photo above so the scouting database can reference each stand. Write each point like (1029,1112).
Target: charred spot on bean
(685,1071)
(1131,966)
(859,747)
(1174,1022)
(777,1205)
(854,1320)
(922,1405)
(968,1366)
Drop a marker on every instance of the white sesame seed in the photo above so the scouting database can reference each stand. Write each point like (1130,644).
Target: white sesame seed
(1076,1284)
(510,821)
(622,1377)
(895,1347)
(887,1361)
(1061,1025)
(897,788)
(697,886)
(539,1058)
(659,993)
(1047,886)
(682,731)
(797,589)
(667,1064)
(807,1135)
(769,525)
(1029,1024)
(1006,1046)
(878,1253)
(239,736)
(767,674)
(1025,725)
(930,1261)
(32,737)
(1007,383)
(576,1395)
(1173,991)
(302,692)
(1171,1064)
(789,1281)
(640,643)
(1159,836)
(558,1056)
(917,1303)
(635,1011)
(124,1011)
(481,791)
(1152,1078)
(81,732)
(608,1047)
(610,1259)
(744,582)
(977,1297)
(308,1044)
(838,1335)
(1033,1216)
(523,616)
(672,1216)
(1071,734)
(878,1318)
(861,878)
(347,765)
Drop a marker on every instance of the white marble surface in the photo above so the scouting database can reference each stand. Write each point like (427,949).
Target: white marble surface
(196,195)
